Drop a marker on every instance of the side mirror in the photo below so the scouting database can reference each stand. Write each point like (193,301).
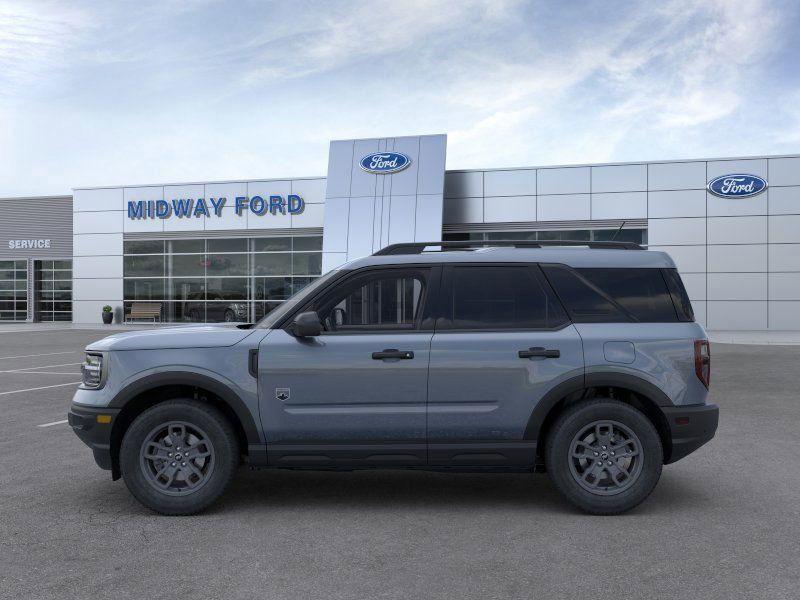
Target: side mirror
(306,324)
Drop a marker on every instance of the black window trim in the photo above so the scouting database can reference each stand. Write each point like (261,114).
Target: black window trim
(424,321)
(444,325)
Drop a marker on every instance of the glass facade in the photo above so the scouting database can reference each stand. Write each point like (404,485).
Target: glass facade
(588,235)
(13,290)
(53,290)
(217,279)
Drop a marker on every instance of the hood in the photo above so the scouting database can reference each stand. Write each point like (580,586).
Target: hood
(201,336)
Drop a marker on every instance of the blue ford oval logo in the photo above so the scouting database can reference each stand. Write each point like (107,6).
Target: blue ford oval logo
(736,186)
(384,163)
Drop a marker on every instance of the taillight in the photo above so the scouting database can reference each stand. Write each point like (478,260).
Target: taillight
(702,361)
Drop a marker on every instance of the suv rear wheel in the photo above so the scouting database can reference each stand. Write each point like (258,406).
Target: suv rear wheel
(604,456)
(178,457)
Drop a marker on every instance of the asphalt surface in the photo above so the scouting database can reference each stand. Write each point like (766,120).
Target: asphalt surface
(722,523)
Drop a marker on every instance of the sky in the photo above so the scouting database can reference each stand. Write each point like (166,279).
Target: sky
(109,93)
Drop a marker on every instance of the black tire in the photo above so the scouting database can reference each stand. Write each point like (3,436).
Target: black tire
(223,456)
(566,469)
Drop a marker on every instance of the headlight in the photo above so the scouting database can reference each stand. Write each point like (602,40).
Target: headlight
(92,371)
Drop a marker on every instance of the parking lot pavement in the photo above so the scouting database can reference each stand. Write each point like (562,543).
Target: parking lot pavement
(722,523)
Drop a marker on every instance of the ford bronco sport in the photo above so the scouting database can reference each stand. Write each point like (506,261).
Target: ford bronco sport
(582,359)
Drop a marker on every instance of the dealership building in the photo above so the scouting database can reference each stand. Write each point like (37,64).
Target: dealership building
(232,250)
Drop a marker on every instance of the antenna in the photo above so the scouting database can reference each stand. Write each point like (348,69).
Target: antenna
(616,233)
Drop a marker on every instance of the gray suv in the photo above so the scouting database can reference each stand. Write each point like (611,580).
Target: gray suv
(579,359)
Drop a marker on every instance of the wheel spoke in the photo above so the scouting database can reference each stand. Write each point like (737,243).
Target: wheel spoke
(601,466)
(167,458)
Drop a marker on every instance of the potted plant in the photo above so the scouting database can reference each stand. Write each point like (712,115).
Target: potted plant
(108,315)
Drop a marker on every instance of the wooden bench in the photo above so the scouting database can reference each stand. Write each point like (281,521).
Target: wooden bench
(144,310)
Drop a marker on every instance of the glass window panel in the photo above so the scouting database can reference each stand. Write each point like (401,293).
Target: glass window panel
(307,243)
(278,244)
(298,283)
(62,285)
(502,298)
(186,246)
(307,263)
(144,289)
(187,265)
(190,290)
(642,292)
(143,266)
(62,264)
(143,247)
(7,294)
(227,264)
(273,288)
(6,284)
(272,264)
(227,245)
(6,264)
(227,288)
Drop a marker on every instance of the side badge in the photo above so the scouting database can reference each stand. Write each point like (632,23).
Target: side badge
(282,394)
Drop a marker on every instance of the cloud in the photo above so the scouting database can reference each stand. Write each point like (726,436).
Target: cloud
(34,39)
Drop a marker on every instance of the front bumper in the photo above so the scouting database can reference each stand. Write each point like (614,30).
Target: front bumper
(690,427)
(96,435)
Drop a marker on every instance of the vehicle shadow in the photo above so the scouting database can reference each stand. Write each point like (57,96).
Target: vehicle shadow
(397,490)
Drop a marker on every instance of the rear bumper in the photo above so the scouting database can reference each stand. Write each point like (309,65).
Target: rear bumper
(690,427)
(83,420)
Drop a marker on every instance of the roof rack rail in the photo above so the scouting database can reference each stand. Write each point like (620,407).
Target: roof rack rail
(419,247)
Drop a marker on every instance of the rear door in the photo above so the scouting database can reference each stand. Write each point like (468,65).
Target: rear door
(502,342)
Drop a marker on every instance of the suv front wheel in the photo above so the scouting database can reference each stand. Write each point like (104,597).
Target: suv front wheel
(178,457)
(604,456)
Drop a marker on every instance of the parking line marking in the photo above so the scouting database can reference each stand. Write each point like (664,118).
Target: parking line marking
(35,355)
(26,369)
(44,387)
(53,423)
(42,372)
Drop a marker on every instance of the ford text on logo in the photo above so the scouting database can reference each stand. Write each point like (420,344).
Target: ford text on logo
(385,163)
(737,186)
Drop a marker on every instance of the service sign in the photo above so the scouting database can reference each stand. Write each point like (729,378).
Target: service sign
(384,163)
(737,186)
(28,244)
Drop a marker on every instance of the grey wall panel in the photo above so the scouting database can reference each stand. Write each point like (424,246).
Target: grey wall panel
(784,200)
(360,227)
(405,182)
(566,180)
(36,219)
(334,235)
(563,207)
(723,207)
(756,166)
(503,209)
(619,205)
(361,182)
(784,171)
(619,178)
(676,176)
(463,210)
(676,203)
(467,184)
(428,225)
(520,182)
(402,218)
(340,160)
(432,156)
(737,258)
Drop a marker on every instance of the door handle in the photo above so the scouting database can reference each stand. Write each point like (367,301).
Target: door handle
(539,352)
(392,353)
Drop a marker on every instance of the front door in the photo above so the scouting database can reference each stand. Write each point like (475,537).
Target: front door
(355,394)
(502,342)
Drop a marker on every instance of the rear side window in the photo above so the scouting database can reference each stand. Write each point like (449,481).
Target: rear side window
(585,302)
(498,297)
(614,295)
(679,296)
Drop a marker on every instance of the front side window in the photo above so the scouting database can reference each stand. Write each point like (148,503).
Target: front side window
(374,302)
(492,297)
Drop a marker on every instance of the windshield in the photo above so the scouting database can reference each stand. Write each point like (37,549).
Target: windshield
(294,301)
